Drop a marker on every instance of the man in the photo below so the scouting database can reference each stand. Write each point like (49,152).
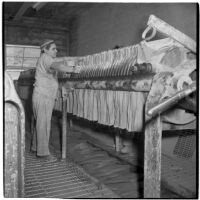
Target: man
(44,95)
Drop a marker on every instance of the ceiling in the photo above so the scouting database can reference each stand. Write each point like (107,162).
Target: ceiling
(62,12)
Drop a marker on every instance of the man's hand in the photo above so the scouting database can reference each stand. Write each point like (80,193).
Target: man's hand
(77,69)
(69,63)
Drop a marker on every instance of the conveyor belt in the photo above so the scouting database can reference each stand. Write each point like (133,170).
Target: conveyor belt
(60,179)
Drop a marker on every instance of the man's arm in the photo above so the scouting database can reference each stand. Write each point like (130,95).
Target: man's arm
(63,67)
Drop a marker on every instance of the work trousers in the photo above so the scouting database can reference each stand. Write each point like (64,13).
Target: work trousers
(42,111)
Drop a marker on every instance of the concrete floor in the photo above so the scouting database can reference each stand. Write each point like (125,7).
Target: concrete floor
(122,173)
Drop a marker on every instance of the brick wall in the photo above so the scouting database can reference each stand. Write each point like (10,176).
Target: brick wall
(107,25)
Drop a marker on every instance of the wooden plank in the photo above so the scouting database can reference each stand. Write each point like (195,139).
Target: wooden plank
(11,157)
(152,139)
(29,22)
(37,6)
(64,129)
(65,94)
(152,158)
(32,124)
(14,143)
(70,123)
(171,32)
(22,10)
(118,142)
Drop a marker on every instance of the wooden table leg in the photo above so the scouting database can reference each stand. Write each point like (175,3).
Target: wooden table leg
(118,141)
(71,124)
(64,129)
(152,158)
(153,136)
(32,124)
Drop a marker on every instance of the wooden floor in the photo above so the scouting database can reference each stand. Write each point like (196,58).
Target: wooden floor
(121,172)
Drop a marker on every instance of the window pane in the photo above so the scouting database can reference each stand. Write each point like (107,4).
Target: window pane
(14,51)
(21,56)
(30,62)
(32,52)
(14,62)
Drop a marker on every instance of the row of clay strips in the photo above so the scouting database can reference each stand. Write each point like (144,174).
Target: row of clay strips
(122,109)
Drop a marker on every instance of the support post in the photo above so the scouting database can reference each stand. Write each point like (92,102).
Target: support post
(64,129)
(14,142)
(152,158)
(153,137)
(70,123)
(32,124)
(118,141)
(64,123)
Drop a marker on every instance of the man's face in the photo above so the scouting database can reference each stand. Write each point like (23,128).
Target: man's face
(52,51)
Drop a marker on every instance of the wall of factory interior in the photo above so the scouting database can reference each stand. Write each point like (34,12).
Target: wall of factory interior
(110,24)
(34,35)
(32,32)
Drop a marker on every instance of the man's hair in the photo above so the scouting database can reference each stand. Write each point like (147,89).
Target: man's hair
(46,45)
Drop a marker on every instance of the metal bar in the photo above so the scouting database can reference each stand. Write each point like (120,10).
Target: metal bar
(168,103)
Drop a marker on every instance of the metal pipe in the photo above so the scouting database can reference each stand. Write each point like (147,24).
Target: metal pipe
(168,103)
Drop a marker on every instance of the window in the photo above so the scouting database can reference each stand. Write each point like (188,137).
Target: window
(21,57)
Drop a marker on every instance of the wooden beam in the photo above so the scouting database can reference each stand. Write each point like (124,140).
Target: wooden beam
(65,94)
(22,10)
(37,6)
(37,23)
(64,128)
(121,84)
(153,139)
(118,141)
(171,32)
(14,157)
(152,158)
